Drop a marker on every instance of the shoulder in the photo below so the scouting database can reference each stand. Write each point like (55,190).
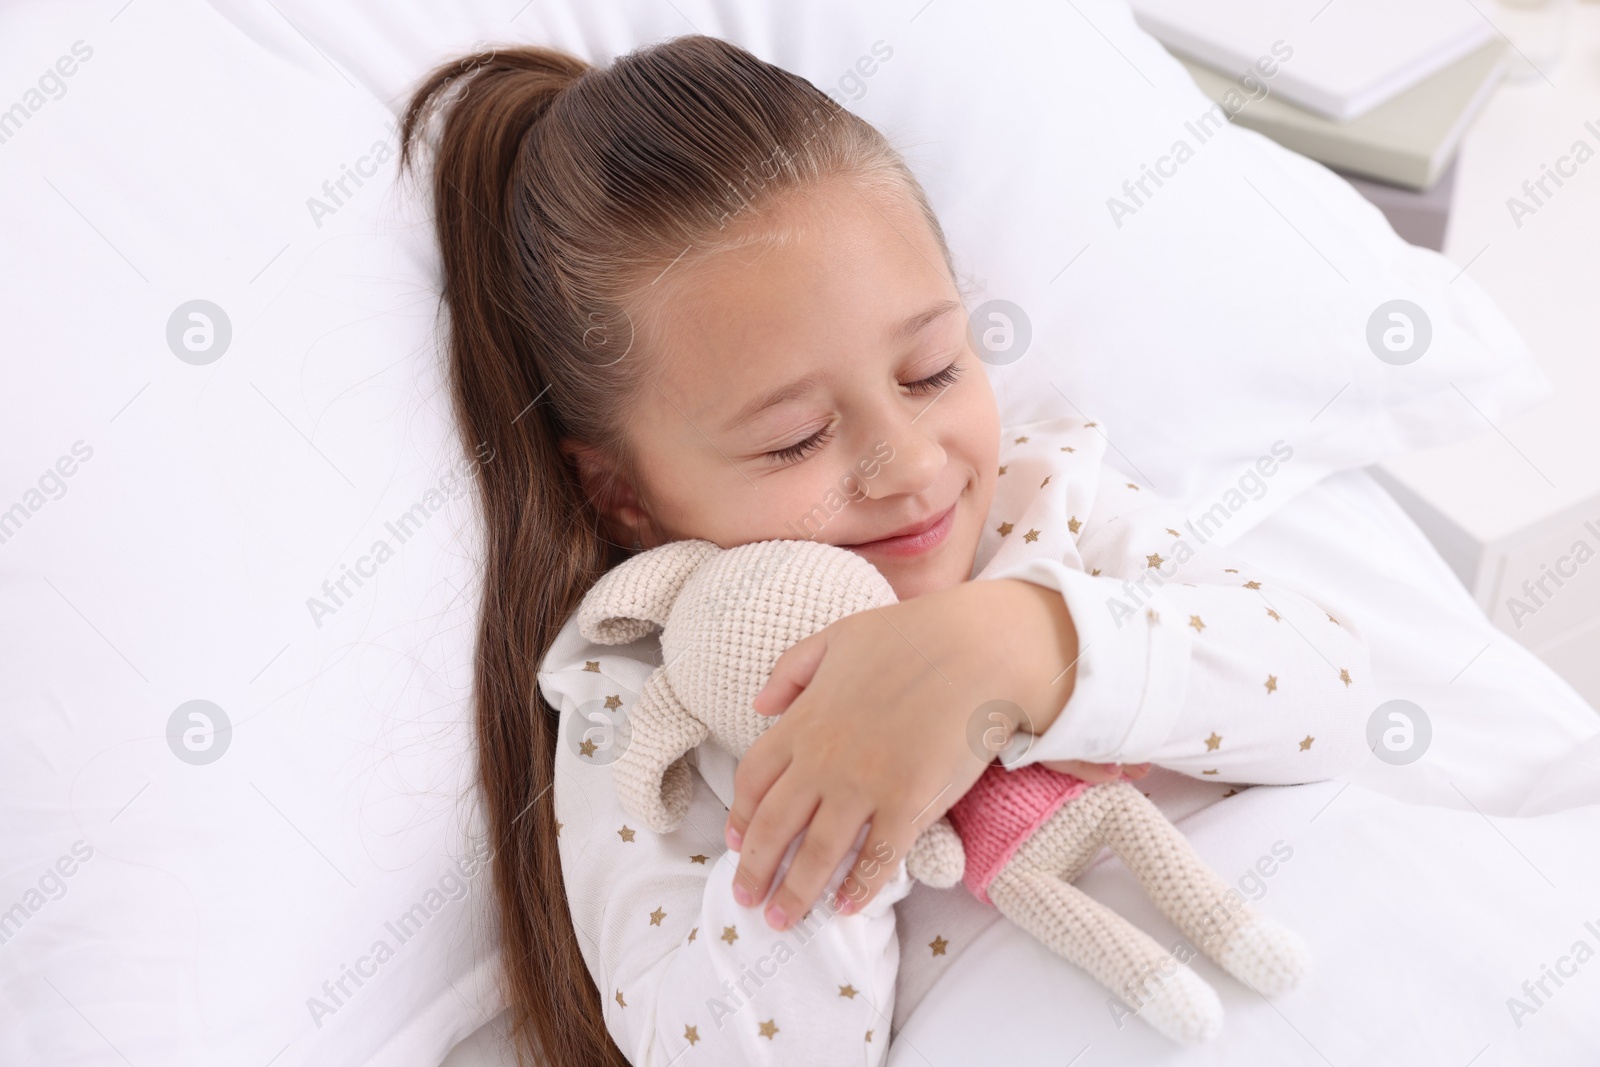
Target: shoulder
(1066,436)
(576,668)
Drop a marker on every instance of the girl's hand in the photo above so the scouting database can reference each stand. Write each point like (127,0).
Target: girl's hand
(1097,773)
(884,724)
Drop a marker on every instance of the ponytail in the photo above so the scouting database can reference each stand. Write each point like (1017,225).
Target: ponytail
(543,548)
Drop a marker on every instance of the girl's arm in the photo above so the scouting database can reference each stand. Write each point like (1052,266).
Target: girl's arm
(1194,660)
(885,713)
(683,969)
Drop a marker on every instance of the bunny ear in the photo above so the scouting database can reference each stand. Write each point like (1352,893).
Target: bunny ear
(632,600)
(651,776)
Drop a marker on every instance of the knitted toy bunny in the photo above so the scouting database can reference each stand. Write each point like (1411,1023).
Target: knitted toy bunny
(1025,835)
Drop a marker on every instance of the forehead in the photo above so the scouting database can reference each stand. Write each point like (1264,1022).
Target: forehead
(832,274)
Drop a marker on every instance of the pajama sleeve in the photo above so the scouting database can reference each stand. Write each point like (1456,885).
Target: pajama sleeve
(686,975)
(1194,660)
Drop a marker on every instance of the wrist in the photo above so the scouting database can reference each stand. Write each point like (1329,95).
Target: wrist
(1035,645)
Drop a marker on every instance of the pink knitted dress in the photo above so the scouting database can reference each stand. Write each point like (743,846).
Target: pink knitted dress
(1001,811)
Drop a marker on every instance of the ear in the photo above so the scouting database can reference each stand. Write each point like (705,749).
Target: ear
(651,775)
(613,495)
(635,598)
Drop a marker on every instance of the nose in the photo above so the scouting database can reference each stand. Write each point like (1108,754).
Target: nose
(914,461)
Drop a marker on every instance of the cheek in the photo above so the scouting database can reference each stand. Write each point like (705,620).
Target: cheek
(978,428)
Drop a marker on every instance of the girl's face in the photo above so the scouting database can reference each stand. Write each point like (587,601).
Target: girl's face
(825,389)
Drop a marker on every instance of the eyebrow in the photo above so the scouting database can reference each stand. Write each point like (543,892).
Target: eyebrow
(909,328)
(900,334)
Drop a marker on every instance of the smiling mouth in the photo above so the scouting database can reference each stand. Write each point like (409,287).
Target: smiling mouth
(913,540)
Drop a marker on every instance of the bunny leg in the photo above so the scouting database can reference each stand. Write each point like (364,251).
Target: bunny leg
(1258,951)
(1174,1000)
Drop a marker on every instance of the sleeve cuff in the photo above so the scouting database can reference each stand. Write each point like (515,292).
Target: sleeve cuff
(1132,669)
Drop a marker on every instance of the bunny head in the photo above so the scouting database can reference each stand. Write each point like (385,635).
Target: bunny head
(725,616)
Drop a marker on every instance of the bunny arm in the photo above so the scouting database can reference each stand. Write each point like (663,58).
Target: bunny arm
(937,858)
(651,776)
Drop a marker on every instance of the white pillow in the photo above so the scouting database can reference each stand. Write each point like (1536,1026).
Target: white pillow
(1241,302)
(183,556)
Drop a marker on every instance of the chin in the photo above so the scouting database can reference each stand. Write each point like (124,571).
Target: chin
(910,580)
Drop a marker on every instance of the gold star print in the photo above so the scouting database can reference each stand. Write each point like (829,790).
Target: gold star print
(1213,742)
(1306,744)
(1272,683)
(624,1003)
(1004,528)
(587,747)
(1002,470)
(1194,620)
(1344,676)
(1173,532)
(698,858)
(558,826)
(613,702)
(729,934)
(1274,615)
(696,930)
(1095,573)
(869,1035)
(1332,619)
(938,944)
(1031,536)
(1252,584)
(1152,614)
(1068,448)
(1135,488)
(1211,771)
(1153,560)
(657,915)
(1230,793)
(1230,570)
(1022,440)
(1045,482)
(1089,424)
(691,1034)
(625,833)
(1074,525)
(769,1029)
(848,991)
(592,665)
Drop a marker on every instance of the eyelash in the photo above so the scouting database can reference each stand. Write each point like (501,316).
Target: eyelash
(801,449)
(943,380)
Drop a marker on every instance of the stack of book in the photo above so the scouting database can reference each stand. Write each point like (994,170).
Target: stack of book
(1379,91)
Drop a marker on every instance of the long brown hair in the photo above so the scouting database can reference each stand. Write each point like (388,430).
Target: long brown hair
(560,189)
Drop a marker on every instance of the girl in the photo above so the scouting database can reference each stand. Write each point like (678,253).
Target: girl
(692,297)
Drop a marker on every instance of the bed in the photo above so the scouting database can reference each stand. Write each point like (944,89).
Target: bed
(241,754)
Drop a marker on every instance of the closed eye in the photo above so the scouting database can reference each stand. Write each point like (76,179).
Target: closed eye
(934,382)
(801,449)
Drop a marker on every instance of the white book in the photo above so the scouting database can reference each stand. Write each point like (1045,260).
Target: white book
(1344,57)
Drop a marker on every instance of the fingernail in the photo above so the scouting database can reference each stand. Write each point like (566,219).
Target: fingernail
(741,894)
(733,837)
(776,918)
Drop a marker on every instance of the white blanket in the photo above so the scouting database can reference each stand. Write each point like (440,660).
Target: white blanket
(1429,893)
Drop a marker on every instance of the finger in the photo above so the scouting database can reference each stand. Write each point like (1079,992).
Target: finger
(1136,771)
(828,841)
(791,674)
(786,811)
(888,843)
(758,768)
